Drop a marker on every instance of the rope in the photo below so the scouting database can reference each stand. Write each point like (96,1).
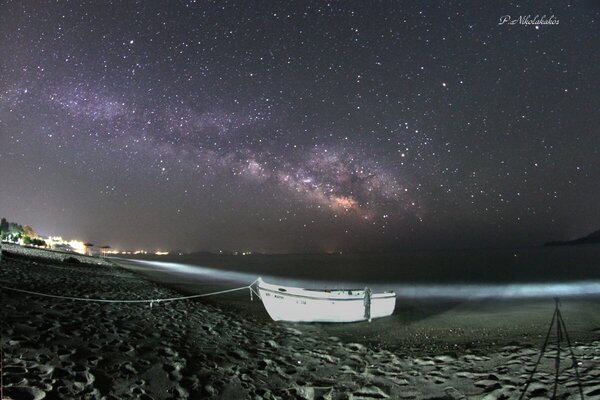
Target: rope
(367,303)
(253,291)
(151,301)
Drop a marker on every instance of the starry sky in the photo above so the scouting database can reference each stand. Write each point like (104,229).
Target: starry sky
(300,125)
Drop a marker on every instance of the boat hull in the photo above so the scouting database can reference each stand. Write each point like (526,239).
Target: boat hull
(300,305)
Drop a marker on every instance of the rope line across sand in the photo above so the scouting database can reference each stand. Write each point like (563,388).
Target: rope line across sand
(151,301)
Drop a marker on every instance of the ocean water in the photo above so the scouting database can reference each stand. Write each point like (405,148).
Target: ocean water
(564,271)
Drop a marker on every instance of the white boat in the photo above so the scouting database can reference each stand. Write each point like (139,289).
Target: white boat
(284,303)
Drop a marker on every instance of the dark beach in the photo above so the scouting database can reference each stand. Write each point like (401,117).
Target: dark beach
(227,347)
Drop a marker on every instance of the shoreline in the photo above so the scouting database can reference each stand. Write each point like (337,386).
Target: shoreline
(448,324)
(525,265)
(227,347)
(51,256)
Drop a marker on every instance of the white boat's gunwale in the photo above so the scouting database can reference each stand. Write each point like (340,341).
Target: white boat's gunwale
(326,296)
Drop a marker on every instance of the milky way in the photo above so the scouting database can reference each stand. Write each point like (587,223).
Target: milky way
(304,126)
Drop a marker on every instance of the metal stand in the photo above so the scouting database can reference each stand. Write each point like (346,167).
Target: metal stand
(561,332)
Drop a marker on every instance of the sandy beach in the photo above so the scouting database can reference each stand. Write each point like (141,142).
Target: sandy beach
(226,347)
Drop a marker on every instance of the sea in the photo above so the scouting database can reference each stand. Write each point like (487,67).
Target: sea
(553,271)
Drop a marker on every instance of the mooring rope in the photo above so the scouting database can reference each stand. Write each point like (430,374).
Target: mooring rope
(151,301)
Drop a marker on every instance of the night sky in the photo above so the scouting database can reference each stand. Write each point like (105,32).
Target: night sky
(300,126)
